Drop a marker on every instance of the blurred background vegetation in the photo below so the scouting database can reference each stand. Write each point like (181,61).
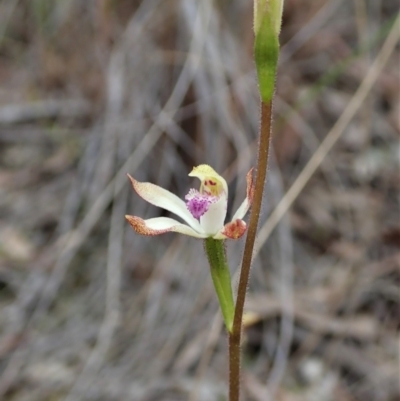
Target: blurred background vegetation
(92,90)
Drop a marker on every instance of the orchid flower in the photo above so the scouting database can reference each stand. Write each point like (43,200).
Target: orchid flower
(204,210)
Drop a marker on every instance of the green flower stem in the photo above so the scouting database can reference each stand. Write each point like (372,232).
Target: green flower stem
(221,276)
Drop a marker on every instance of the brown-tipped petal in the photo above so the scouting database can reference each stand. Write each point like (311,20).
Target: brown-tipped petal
(161,225)
(139,225)
(164,199)
(233,230)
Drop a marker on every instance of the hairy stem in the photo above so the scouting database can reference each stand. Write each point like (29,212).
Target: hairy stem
(235,334)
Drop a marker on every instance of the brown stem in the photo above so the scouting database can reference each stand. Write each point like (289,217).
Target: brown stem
(235,335)
(234,366)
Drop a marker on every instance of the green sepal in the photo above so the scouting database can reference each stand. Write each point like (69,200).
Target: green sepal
(266,54)
(221,277)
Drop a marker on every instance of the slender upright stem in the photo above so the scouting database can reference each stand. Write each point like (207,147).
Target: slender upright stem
(235,334)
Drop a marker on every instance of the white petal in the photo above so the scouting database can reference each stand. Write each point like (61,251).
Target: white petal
(213,220)
(161,225)
(245,206)
(160,197)
(242,210)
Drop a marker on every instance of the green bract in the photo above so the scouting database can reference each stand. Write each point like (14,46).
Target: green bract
(267,25)
(272,7)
